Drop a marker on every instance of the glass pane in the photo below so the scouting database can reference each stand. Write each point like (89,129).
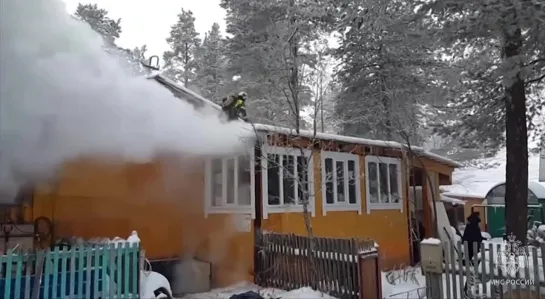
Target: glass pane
(532,198)
(373,182)
(230,181)
(340,181)
(496,195)
(329,181)
(383,177)
(216,183)
(395,193)
(302,175)
(273,179)
(352,196)
(288,164)
(244,181)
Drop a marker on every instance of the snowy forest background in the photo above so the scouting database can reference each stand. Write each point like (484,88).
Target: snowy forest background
(431,73)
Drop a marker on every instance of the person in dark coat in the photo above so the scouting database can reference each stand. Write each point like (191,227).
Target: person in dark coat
(472,233)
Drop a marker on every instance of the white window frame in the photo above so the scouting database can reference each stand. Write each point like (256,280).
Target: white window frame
(235,208)
(288,208)
(383,206)
(336,206)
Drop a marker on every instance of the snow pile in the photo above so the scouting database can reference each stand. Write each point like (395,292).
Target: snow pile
(267,293)
(536,235)
(151,281)
(404,283)
(62,97)
(132,239)
(431,241)
(478,179)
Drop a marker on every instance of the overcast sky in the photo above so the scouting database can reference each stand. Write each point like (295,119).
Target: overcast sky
(148,21)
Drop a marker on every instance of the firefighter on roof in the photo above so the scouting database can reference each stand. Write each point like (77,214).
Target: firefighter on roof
(235,106)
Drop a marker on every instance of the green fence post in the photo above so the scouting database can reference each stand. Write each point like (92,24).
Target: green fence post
(31,257)
(81,271)
(126,271)
(105,279)
(55,273)
(119,268)
(47,271)
(64,254)
(88,266)
(111,267)
(135,270)
(96,268)
(19,274)
(9,264)
(72,287)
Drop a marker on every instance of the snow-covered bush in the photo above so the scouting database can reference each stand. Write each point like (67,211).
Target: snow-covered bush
(536,235)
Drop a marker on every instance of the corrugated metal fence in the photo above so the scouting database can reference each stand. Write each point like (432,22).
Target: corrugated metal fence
(90,271)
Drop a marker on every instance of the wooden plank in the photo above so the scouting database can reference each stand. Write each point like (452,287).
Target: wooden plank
(55,272)
(88,265)
(135,270)
(96,254)
(72,286)
(461,268)
(126,271)
(9,265)
(31,257)
(104,261)
(536,271)
(19,271)
(41,261)
(485,274)
(64,255)
(82,255)
(112,268)
(119,268)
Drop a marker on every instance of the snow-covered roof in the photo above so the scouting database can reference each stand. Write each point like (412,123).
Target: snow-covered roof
(538,188)
(192,96)
(451,200)
(477,182)
(356,140)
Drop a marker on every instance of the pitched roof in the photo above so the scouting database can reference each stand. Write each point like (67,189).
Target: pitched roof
(200,101)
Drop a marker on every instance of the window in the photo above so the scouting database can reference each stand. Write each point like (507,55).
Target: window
(229,185)
(287,180)
(340,182)
(383,183)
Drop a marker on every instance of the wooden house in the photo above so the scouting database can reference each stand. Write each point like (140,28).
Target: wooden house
(209,209)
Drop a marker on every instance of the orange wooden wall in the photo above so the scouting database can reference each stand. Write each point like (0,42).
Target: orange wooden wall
(161,201)
(389,228)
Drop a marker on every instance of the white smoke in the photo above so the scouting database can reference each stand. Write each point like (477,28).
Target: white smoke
(63,97)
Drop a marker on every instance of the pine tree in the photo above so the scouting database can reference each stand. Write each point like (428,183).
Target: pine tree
(498,47)
(385,72)
(184,42)
(100,22)
(110,30)
(210,75)
(266,51)
(135,57)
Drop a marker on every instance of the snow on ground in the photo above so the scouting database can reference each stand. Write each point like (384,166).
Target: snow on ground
(267,293)
(399,284)
(477,180)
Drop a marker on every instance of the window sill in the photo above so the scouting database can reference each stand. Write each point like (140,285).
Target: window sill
(229,210)
(353,207)
(268,209)
(384,206)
